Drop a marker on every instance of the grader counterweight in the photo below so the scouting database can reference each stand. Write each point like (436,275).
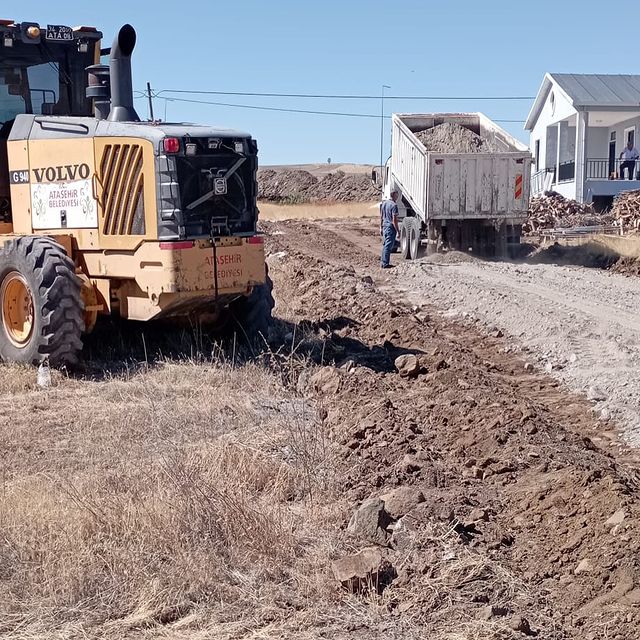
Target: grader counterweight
(101,213)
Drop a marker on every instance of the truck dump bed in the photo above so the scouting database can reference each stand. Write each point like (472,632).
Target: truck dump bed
(446,185)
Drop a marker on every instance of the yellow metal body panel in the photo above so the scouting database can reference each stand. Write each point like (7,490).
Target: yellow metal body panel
(18,152)
(119,252)
(153,280)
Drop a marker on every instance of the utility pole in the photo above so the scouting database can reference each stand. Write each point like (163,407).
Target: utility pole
(150,96)
(384,86)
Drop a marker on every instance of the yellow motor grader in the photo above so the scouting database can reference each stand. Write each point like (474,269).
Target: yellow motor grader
(101,213)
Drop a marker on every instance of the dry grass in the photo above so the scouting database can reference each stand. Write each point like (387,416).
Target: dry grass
(187,497)
(278,212)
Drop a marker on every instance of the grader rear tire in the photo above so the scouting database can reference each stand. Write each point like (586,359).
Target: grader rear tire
(41,310)
(254,313)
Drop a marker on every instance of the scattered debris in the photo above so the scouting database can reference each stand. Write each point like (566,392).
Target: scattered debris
(626,210)
(553,211)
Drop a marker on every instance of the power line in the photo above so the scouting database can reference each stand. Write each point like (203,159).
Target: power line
(338,96)
(281,109)
(289,110)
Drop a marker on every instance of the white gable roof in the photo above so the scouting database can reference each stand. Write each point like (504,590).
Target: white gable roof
(586,91)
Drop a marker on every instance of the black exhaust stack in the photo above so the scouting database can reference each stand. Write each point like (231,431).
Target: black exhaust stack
(122,109)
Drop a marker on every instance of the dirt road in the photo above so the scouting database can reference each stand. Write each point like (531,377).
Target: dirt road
(580,324)
(508,457)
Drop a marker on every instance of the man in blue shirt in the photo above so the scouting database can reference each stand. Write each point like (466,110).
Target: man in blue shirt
(388,228)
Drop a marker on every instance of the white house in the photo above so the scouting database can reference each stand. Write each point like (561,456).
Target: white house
(579,125)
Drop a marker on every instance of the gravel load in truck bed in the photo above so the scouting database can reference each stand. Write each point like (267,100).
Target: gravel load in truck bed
(453,138)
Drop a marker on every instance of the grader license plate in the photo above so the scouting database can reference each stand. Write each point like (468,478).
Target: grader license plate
(59,33)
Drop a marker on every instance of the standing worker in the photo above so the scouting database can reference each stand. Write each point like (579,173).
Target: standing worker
(388,228)
(629,155)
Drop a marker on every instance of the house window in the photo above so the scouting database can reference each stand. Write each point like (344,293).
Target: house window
(552,102)
(536,155)
(613,136)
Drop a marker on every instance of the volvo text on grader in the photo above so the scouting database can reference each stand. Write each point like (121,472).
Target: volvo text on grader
(101,213)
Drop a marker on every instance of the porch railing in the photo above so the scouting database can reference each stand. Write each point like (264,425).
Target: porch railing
(567,171)
(541,181)
(608,169)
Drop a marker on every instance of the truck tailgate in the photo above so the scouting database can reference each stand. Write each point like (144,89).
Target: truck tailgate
(491,185)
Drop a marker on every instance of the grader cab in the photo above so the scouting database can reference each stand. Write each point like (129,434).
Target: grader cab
(101,213)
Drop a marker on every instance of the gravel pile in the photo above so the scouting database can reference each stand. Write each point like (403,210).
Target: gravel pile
(452,138)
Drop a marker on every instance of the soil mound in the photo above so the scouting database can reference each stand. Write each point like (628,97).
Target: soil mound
(287,184)
(298,186)
(452,138)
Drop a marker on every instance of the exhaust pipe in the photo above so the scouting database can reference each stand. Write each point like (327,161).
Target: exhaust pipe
(122,109)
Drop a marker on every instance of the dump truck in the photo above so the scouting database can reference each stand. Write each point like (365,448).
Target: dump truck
(474,201)
(102,213)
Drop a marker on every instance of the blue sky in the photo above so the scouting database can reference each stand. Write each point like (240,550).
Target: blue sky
(463,48)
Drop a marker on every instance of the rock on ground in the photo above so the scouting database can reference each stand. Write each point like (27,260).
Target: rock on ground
(370,521)
(364,571)
(400,501)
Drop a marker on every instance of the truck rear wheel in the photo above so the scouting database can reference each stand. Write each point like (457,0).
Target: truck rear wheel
(404,239)
(414,238)
(254,312)
(41,309)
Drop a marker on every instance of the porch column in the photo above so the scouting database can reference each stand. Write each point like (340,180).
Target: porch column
(582,127)
(563,140)
(558,152)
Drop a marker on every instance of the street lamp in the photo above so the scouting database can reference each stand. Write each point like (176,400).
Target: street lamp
(384,86)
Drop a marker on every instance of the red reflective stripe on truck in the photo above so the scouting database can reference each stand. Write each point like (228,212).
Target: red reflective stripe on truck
(518,186)
(255,240)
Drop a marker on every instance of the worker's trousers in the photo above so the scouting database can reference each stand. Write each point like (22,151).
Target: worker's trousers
(388,243)
(630,165)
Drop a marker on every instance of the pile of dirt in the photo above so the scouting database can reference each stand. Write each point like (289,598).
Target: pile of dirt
(626,266)
(453,138)
(479,481)
(285,185)
(626,210)
(553,211)
(298,186)
(345,187)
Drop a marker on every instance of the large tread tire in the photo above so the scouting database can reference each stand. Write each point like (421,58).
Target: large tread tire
(404,239)
(57,308)
(414,232)
(255,312)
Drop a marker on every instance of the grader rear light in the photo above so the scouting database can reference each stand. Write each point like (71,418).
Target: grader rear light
(171,145)
(33,32)
(172,246)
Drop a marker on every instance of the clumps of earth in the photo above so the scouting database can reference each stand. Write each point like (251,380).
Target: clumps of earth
(453,138)
(298,186)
